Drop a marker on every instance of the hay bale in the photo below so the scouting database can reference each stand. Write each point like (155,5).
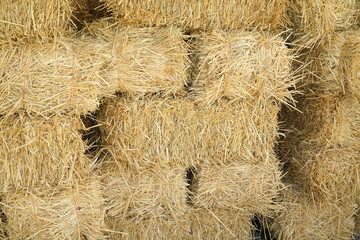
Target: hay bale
(143,60)
(202,14)
(241,66)
(41,151)
(153,131)
(34,21)
(145,203)
(303,218)
(316,22)
(228,196)
(335,68)
(323,150)
(71,212)
(47,79)
(215,224)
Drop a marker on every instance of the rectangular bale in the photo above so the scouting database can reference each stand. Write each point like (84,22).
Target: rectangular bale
(34,21)
(41,151)
(47,79)
(316,22)
(241,65)
(228,196)
(334,68)
(145,203)
(152,131)
(143,60)
(201,14)
(43,212)
(304,218)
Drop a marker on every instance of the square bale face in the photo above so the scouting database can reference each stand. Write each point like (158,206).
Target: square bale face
(241,65)
(303,218)
(143,60)
(48,79)
(316,22)
(151,131)
(55,213)
(34,21)
(333,68)
(41,151)
(221,224)
(146,202)
(202,14)
(238,187)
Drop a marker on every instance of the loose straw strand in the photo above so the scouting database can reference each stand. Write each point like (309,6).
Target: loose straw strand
(76,210)
(23,91)
(36,220)
(117,65)
(72,78)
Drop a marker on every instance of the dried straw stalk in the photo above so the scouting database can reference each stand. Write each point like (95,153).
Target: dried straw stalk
(145,203)
(323,150)
(241,66)
(56,213)
(143,60)
(47,79)
(202,14)
(229,195)
(39,151)
(335,68)
(153,131)
(302,218)
(315,22)
(34,21)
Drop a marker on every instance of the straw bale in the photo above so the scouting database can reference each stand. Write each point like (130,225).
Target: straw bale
(303,218)
(151,131)
(56,213)
(202,14)
(35,20)
(146,203)
(47,79)
(41,151)
(239,186)
(323,149)
(241,65)
(335,68)
(229,195)
(315,22)
(215,224)
(143,60)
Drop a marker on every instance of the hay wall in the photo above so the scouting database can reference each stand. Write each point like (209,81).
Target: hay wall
(67,212)
(41,151)
(201,14)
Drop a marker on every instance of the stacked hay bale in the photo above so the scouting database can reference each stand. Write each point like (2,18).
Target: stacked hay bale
(321,149)
(221,132)
(248,72)
(47,188)
(203,14)
(315,23)
(148,66)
